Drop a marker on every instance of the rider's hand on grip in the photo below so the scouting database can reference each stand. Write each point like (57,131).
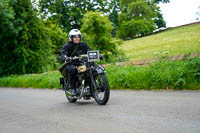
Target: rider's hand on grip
(101,57)
(67,59)
(75,58)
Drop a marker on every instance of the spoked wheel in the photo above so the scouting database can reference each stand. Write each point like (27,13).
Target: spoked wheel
(102,93)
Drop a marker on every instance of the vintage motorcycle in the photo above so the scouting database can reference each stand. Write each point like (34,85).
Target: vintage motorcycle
(91,79)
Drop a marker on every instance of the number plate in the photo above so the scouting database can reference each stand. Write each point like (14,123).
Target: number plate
(93,56)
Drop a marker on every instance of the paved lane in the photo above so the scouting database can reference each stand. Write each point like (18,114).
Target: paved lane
(47,111)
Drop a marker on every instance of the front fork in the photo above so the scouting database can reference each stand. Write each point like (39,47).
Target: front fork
(92,79)
(99,70)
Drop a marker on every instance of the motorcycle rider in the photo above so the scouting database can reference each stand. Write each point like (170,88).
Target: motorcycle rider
(74,47)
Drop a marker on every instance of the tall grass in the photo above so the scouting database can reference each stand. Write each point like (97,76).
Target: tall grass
(44,80)
(163,74)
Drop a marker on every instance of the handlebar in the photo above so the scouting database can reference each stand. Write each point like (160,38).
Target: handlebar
(75,58)
(101,57)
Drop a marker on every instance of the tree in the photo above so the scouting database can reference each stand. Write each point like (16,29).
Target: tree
(198,14)
(113,12)
(136,19)
(26,46)
(8,35)
(159,20)
(57,36)
(96,31)
(69,13)
(139,17)
(160,1)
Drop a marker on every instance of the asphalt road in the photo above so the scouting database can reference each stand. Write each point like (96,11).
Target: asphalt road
(47,111)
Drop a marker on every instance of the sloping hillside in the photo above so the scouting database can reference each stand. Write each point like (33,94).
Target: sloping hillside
(179,40)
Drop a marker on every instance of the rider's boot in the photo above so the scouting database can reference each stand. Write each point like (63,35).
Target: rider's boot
(87,90)
(73,92)
(78,90)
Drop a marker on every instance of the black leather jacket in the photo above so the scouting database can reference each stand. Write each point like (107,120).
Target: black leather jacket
(69,47)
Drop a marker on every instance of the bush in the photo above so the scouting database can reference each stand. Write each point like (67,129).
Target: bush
(26,46)
(135,28)
(96,31)
(164,74)
(136,18)
(160,75)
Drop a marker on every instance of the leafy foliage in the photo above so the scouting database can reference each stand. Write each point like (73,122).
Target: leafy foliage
(135,19)
(160,75)
(96,30)
(69,13)
(159,21)
(26,46)
(113,12)
(138,18)
(31,41)
(161,1)
(57,36)
(8,34)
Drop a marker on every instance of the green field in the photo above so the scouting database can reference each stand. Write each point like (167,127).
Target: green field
(180,40)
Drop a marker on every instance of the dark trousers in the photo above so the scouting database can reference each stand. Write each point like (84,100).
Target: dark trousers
(72,72)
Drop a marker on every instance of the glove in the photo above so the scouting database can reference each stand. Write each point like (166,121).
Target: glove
(101,57)
(67,59)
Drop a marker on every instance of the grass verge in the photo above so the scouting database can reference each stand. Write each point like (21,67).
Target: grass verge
(44,80)
(163,74)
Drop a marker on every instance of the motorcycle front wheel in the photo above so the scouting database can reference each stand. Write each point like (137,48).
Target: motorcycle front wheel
(102,93)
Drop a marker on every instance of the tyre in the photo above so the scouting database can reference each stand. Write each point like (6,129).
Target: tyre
(102,94)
